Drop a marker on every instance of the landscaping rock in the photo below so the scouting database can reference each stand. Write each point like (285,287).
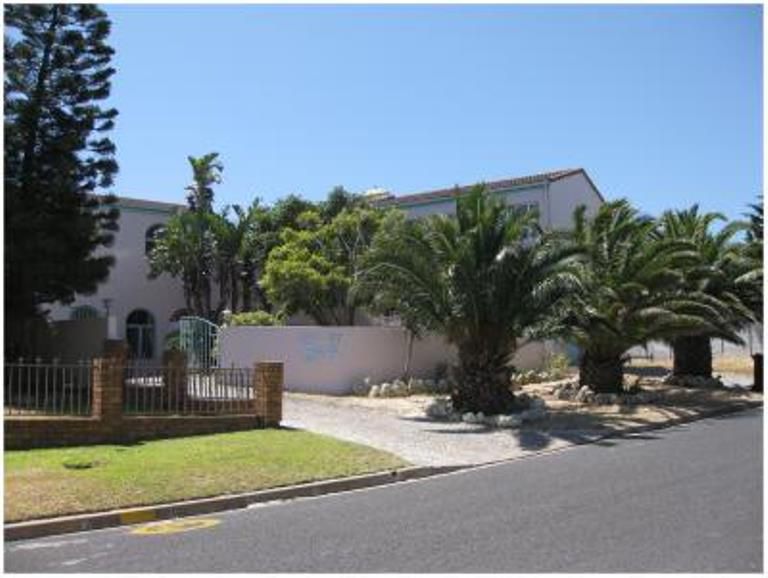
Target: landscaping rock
(584,395)
(698,381)
(416,386)
(606,399)
(507,421)
(440,409)
(473,418)
(375,391)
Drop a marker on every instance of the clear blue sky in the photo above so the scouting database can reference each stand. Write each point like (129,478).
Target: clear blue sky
(661,104)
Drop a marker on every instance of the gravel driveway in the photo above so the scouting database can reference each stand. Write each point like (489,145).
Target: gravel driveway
(408,435)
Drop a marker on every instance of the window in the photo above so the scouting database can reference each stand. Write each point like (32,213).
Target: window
(151,236)
(526,207)
(84,312)
(140,334)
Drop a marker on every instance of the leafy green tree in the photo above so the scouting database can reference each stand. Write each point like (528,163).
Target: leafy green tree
(57,154)
(184,250)
(193,245)
(485,279)
(338,200)
(717,273)
(262,234)
(315,267)
(630,280)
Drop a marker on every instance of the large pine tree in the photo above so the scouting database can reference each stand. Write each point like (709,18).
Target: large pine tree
(57,155)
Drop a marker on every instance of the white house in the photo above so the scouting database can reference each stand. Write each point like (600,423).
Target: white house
(140,310)
(144,311)
(554,195)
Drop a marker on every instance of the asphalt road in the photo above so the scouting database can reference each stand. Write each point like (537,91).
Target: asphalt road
(682,499)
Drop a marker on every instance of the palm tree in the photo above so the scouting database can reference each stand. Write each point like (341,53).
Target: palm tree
(480,279)
(750,284)
(630,279)
(184,250)
(206,171)
(716,274)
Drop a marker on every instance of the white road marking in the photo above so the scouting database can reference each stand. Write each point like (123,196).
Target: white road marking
(39,545)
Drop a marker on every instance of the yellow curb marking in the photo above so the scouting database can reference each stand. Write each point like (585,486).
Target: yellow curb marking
(137,517)
(175,526)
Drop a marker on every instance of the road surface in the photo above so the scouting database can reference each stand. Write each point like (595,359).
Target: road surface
(686,499)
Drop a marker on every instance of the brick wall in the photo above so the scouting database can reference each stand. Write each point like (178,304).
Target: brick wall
(108,424)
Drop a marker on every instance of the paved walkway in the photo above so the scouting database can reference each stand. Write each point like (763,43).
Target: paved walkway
(414,438)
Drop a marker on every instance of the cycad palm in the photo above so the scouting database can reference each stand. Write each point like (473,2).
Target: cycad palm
(716,274)
(476,278)
(750,285)
(630,278)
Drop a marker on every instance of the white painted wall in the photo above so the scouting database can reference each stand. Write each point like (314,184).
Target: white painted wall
(128,285)
(556,201)
(568,193)
(440,207)
(332,360)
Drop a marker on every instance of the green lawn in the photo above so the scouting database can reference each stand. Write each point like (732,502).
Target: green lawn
(50,482)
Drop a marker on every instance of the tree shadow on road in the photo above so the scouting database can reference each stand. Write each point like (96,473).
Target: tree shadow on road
(577,427)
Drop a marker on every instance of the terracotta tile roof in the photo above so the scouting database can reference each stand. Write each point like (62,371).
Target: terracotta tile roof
(500,185)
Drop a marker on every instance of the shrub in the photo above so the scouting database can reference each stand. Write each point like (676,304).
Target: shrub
(557,364)
(173,341)
(256,318)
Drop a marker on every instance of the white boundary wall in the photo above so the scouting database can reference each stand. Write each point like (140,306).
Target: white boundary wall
(332,360)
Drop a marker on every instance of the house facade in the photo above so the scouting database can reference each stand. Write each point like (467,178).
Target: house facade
(553,195)
(140,310)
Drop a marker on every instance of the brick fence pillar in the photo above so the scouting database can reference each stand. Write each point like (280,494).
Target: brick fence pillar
(108,391)
(108,383)
(268,387)
(175,379)
(116,349)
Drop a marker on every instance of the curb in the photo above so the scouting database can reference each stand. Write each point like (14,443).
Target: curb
(124,517)
(140,515)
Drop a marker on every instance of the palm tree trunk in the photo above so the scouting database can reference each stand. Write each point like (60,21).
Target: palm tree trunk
(234,283)
(693,356)
(484,384)
(408,355)
(602,375)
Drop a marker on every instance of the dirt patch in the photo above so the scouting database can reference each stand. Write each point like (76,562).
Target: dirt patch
(739,364)
(411,406)
(674,403)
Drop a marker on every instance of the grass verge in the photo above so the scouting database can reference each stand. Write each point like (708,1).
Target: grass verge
(50,482)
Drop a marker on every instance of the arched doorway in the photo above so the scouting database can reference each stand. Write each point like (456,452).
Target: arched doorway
(140,334)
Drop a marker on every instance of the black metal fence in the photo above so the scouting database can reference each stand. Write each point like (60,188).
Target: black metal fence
(187,391)
(37,388)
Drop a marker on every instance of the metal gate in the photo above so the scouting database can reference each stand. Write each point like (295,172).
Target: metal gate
(199,340)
